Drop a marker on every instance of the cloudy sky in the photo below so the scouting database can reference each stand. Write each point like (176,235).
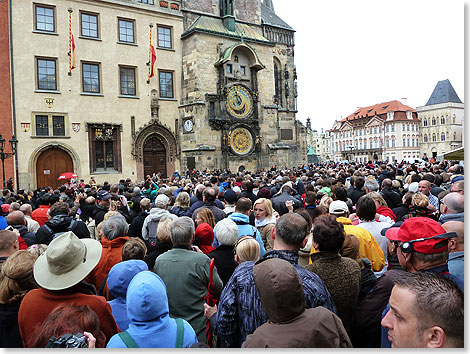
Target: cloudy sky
(358,53)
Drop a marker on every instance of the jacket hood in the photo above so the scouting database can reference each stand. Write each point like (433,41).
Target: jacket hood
(156,214)
(59,221)
(280,289)
(344,221)
(386,211)
(239,217)
(205,234)
(22,229)
(115,242)
(146,298)
(121,275)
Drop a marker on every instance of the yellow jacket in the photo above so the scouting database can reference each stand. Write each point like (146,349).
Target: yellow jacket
(368,246)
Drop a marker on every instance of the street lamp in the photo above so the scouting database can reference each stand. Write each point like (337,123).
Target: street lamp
(6,155)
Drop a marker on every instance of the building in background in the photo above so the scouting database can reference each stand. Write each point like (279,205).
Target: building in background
(318,144)
(441,121)
(384,131)
(223,93)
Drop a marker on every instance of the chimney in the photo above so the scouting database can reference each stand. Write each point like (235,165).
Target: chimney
(404,100)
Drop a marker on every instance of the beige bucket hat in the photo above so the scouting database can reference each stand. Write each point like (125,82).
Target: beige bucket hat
(67,261)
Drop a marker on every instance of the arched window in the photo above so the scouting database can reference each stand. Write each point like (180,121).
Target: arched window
(443,137)
(443,120)
(434,138)
(455,136)
(433,121)
(425,123)
(425,138)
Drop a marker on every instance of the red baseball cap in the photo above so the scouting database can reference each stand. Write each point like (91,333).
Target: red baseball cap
(417,228)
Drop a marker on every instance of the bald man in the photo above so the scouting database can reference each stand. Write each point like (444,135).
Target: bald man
(452,208)
(425,188)
(16,220)
(32,225)
(455,247)
(458,187)
(8,245)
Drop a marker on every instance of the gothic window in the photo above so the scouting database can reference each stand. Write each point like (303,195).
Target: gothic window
(425,138)
(425,123)
(277,82)
(434,138)
(433,121)
(105,147)
(455,136)
(443,120)
(443,137)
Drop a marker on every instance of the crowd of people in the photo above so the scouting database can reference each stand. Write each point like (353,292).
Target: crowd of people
(322,255)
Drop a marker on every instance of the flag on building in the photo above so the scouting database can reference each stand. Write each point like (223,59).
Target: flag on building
(73,52)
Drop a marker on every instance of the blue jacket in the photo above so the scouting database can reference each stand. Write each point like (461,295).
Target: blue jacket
(150,324)
(243,230)
(119,278)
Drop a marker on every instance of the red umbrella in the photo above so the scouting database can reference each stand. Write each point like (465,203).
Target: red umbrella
(67,175)
(211,300)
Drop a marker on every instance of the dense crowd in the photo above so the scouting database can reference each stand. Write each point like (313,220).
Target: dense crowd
(322,255)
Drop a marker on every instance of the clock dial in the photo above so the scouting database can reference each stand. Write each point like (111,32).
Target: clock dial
(188,125)
(239,102)
(241,141)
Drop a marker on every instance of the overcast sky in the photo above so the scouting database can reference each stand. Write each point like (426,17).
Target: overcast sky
(358,53)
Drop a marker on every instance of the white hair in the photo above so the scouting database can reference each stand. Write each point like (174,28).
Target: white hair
(226,231)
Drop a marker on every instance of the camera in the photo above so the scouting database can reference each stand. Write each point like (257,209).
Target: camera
(68,340)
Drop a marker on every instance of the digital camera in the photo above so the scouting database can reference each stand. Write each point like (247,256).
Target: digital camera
(68,340)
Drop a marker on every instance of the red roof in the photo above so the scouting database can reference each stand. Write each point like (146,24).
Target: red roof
(378,109)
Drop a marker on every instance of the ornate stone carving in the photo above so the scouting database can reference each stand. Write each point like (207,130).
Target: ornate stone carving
(164,133)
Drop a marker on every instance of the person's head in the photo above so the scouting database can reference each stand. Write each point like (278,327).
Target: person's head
(8,243)
(230,197)
(121,275)
(164,230)
(205,215)
(115,226)
(16,218)
(458,187)
(455,244)
(325,202)
(14,206)
(371,185)
(407,198)
(359,182)
(306,215)
(328,234)
(204,234)
(339,193)
(338,208)
(182,200)
(290,232)
(387,183)
(263,208)
(420,199)
(26,209)
(161,201)
(145,204)
(243,206)
(350,247)
(209,195)
(396,184)
(134,248)
(378,199)
(452,203)
(104,198)
(365,208)
(17,277)
(424,187)
(182,231)
(421,243)
(246,249)
(227,232)
(37,249)
(426,311)
(310,198)
(67,318)
(59,208)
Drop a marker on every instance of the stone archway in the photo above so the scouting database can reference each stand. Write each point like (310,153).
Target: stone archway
(155,148)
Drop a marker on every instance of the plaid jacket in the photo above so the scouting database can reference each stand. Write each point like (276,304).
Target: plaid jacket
(240,310)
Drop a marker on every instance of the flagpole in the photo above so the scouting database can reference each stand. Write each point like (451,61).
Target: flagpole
(70,41)
(149,63)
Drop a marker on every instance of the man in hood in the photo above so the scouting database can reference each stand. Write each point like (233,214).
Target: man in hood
(150,325)
(290,324)
(149,227)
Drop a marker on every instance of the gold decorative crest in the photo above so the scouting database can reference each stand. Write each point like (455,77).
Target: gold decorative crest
(49,102)
(25,126)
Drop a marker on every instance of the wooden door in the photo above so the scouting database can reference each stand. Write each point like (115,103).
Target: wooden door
(154,157)
(50,165)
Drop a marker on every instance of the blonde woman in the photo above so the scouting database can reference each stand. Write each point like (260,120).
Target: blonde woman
(325,202)
(265,221)
(246,249)
(383,211)
(181,204)
(205,215)
(419,207)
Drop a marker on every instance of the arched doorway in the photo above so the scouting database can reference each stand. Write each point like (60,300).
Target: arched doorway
(154,156)
(50,165)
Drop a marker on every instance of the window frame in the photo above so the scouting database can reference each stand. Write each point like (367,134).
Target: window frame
(172,84)
(55,73)
(99,77)
(158,36)
(116,139)
(134,69)
(88,13)
(50,124)
(46,6)
(133,30)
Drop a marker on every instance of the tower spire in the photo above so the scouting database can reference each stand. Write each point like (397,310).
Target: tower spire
(269,4)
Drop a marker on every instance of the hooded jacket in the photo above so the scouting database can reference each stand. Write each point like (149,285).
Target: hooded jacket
(451,217)
(149,228)
(290,325)
(119,278)
(60,223)
(205,236)
(28,237)
(135,228)
(149,322)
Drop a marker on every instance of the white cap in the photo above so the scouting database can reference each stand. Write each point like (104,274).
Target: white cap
(338,207)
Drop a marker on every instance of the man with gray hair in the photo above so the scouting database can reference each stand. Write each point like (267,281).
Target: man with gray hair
(150,225)
(452,208)
(185,273)
(456,248)
(32,225)
(371,185)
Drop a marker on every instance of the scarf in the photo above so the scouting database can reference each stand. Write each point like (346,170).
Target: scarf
(265,221)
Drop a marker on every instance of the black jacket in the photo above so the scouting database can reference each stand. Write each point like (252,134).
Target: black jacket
(28,237)
(159,249)
(9,331)
(279,203)
(224,262)
(392,198)
(61,223)
(99,213)
(135,229)
(354,194)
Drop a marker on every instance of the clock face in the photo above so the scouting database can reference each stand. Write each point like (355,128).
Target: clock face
(241,141)
(188,125)
(239,102)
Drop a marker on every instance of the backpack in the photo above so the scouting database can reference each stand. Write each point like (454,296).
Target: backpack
(53,235)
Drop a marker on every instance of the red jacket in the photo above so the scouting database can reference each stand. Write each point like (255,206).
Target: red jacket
(38,303)
(111,255)
(386,211)
(40,214)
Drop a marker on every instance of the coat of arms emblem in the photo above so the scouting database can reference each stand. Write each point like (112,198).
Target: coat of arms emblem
(49,102)
(76,127)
